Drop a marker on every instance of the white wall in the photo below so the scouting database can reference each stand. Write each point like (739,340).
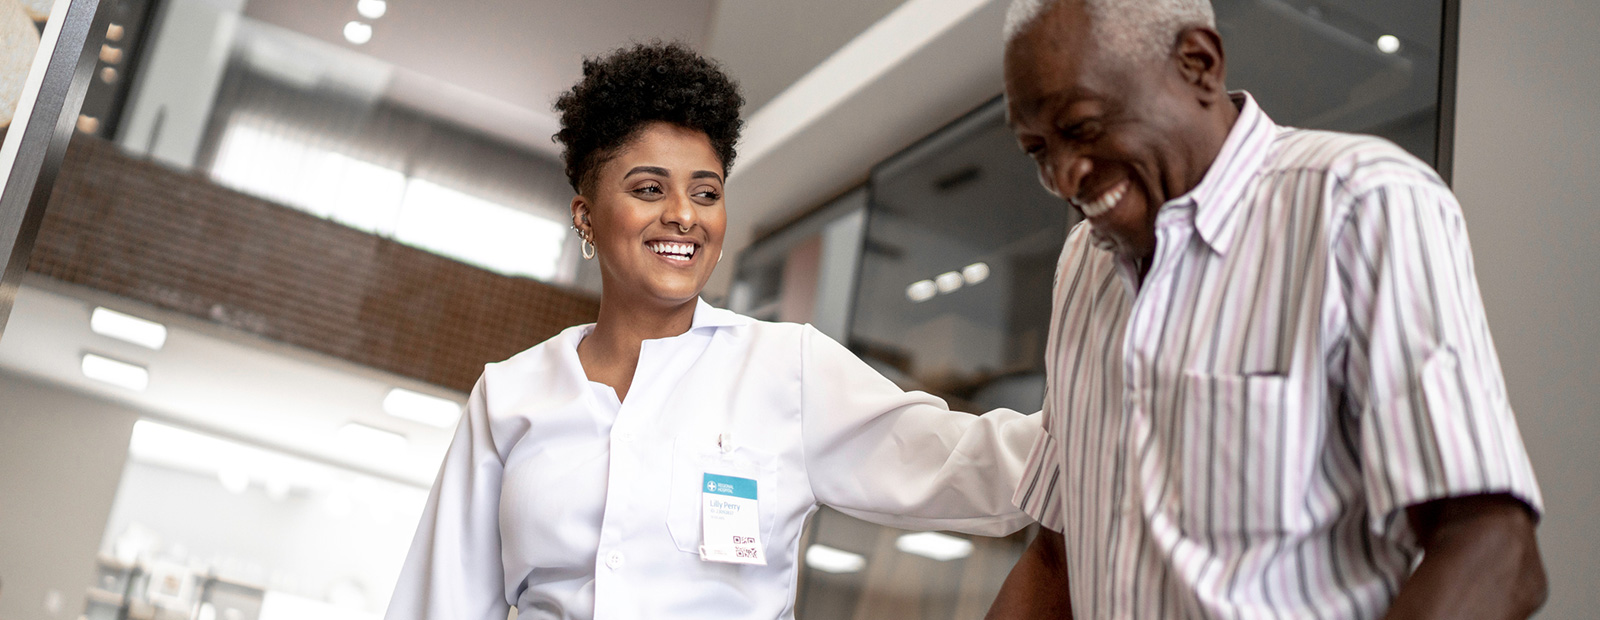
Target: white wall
(1527,172)
(62,455)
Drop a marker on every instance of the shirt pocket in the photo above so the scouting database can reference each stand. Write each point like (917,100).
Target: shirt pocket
(692,458)
(1240,443)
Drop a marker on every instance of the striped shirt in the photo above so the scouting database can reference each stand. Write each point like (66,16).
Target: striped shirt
(1239,435)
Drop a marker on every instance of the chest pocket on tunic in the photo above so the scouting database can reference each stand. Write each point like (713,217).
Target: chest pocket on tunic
(693,457)
(1241,452)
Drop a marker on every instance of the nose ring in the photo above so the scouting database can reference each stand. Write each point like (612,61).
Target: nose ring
(684,229)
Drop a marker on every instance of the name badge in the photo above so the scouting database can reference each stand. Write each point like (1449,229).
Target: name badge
(732,527)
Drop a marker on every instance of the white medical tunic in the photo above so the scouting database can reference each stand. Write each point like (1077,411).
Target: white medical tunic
(558,499)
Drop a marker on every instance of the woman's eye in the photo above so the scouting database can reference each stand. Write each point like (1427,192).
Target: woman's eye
(648,190)
(708,195)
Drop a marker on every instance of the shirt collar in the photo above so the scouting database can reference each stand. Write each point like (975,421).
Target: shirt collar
(1216,198)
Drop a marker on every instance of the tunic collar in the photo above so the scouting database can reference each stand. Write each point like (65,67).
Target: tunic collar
(705,316)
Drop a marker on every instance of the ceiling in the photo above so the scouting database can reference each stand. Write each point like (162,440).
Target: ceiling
(498,60)
(497,65)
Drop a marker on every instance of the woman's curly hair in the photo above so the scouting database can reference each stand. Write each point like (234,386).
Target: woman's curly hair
(623,91)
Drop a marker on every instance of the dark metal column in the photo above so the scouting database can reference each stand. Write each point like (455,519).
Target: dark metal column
(37,139)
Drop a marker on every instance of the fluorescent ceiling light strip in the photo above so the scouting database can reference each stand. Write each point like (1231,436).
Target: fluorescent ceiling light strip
(837,561)
(934,546)
(121,374)
(422,408)
(128,328)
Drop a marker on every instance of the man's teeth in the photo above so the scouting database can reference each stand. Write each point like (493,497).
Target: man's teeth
(682,251)
(1101,205)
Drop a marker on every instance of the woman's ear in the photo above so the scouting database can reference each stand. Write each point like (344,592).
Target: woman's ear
(580,216)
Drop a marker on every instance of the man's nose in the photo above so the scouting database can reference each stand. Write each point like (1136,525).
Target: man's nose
(1065,174)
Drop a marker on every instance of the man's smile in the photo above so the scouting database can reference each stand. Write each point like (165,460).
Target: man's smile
(1094,208)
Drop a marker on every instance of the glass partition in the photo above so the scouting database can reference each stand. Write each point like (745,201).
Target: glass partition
(1366,66)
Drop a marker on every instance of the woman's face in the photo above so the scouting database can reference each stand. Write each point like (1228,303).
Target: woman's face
(656,217)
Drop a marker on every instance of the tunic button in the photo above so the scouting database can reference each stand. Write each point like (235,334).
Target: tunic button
(614,560)
(627,436)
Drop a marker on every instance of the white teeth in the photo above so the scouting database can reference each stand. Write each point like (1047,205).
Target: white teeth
(1101,205)
(676,251)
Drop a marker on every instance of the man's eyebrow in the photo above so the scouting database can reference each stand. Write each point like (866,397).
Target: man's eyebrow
(706,174)
(656,170)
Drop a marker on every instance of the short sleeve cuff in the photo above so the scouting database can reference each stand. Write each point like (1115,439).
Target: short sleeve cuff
(1039,493)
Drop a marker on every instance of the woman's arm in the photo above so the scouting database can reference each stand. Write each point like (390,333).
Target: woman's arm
(904,459)
(453,569)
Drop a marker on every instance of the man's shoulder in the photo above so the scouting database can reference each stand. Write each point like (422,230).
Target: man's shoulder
(1355,163)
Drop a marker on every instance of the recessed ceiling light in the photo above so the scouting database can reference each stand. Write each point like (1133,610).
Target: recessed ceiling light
(128,328)
(120,374)
(357,33)
(430,410)
(949,281)
(372,441)
(836,561)
(372,9)
(922,290)
(975,273)
(1388,44)
(934,546)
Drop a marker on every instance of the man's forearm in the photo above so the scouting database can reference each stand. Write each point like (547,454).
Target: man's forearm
(1037,586)
(1480,561)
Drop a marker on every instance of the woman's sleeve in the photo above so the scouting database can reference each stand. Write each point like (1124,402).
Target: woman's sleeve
(904,459)
(454,568)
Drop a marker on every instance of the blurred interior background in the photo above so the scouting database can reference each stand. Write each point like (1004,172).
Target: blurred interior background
(288,234)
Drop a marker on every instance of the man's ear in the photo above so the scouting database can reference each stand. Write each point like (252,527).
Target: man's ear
(1201,62)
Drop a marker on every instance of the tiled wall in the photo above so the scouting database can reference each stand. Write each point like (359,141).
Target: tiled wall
(177,241)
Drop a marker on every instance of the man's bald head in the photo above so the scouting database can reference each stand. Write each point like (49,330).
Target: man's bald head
(1124,30)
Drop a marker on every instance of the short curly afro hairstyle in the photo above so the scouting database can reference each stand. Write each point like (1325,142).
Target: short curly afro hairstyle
(631,87)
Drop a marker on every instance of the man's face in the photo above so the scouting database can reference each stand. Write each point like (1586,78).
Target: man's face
(1115,138)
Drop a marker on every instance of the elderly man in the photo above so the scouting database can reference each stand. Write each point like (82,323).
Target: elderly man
(1273,393)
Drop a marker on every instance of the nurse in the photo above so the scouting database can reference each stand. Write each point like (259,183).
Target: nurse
(660,462)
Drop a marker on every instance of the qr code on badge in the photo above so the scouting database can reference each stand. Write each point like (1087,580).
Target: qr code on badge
(743,540)
(745,552)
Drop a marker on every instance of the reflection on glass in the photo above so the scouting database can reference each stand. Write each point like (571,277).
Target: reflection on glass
(960,249)
(1347,65)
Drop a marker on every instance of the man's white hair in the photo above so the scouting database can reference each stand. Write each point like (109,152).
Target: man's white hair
(1123,29)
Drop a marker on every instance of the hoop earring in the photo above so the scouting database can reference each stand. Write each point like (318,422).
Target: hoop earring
(588,249)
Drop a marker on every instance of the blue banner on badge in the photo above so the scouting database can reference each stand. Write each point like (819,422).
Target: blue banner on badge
(730,519)
(730,486)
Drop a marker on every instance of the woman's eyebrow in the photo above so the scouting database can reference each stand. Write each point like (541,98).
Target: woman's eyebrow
(706,174)
(656,170)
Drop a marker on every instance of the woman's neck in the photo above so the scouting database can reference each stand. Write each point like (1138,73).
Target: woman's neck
(610,353)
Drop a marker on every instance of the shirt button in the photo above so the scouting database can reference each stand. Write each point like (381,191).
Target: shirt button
(614,560)
(626,436)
